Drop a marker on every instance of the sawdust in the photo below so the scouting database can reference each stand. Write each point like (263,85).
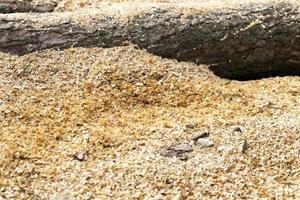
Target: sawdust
(89,123)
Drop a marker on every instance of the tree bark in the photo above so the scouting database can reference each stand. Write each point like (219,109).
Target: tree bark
(250,40)
(13,6)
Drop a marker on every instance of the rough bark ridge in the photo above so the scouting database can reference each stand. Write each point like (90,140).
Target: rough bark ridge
(13,6)
(251,40)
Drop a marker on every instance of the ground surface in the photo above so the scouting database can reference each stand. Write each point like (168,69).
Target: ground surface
(90,123)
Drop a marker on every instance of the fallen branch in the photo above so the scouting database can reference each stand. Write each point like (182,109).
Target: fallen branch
(250,39)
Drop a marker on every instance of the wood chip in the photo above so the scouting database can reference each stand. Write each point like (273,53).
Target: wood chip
(237,129)
(200,135)
(244,146)
(80,156)
(205,142)
(181,147)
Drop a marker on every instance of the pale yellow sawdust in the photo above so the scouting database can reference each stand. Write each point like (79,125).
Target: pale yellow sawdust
(120,106)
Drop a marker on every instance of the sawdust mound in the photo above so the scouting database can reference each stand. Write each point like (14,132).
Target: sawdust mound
(118,107)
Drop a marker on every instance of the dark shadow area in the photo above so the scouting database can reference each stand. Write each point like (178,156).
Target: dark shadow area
(253,72)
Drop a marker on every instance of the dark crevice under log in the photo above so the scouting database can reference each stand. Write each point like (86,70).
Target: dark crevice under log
(248,42)
(14,6)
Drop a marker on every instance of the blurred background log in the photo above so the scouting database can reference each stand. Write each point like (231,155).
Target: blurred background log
(245,42)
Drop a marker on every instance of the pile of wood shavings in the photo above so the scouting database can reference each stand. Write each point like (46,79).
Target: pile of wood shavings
(89,123)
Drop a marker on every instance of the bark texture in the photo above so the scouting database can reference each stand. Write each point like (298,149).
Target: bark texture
(250,40)
(13,6)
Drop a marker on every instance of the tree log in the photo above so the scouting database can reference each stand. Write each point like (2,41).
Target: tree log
(13,6)
(243,42)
